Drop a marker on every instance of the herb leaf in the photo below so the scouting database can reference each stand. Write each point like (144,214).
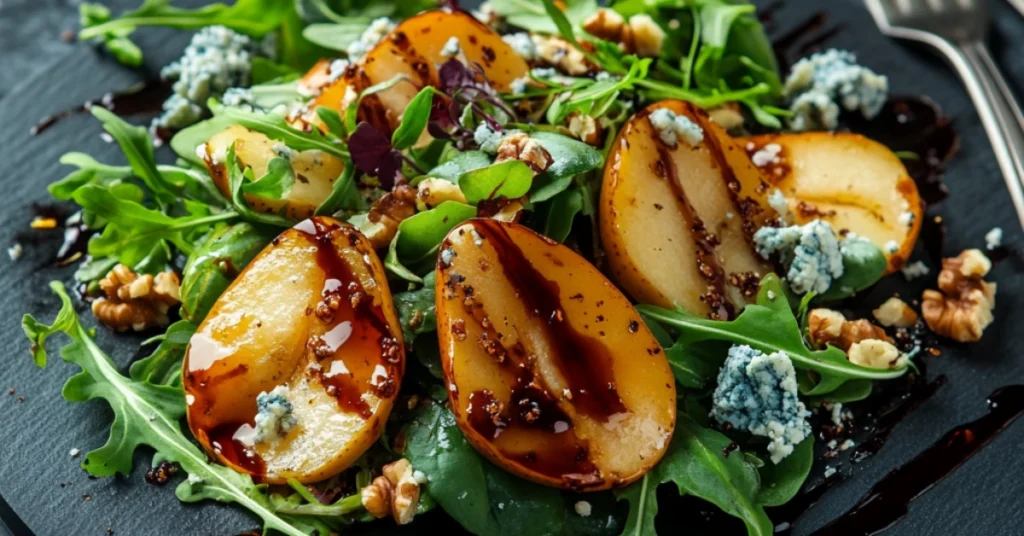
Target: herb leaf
(782,481)
(163,366)
(768,326)
(459,165)
(417,310)
(414,119)
(138,149)
(277,128)
(215,264)
(569,157)
(275,184)
(237,178)
(420,236)
(510,179)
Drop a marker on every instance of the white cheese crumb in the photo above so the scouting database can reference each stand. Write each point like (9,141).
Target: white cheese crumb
(832,444)
(847,444)
(818,85)
(201,151)
(15,251)
(907,218)
(447,255)
(478,240)
(837,414)
(74,453)
(771,295)
(337,69)
(777,200)
(195,479)
(829,471)
(583,508)
(769,154)
(519,85)
(376,32)
(914,270)
(993,238)
(106,137)
(522,44)
(891,247)
(671,126)
(451,48)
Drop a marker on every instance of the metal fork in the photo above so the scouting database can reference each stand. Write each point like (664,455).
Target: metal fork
(957,30)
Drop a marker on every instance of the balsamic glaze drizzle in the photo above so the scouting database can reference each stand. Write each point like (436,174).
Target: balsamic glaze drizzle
(145,98)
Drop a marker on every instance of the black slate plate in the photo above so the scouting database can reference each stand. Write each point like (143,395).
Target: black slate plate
(45,488)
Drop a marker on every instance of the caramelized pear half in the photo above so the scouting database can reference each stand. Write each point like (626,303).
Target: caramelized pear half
(854,183)
(676,221)
(414,49)
(315,171)
(551,373)
(311,319)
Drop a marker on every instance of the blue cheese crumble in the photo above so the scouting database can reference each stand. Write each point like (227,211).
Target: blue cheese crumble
(821,83)
(811,252)
(375,33)
(451,48)
(523,45)
(757,393)
(215,60)
(489,139)
(671,126)
(274,416)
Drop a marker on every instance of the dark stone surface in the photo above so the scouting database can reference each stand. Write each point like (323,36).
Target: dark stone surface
(40,74)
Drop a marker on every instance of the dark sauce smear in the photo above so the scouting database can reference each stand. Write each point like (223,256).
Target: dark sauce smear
(348,302)
(145,98)
(75,242)
(887,501)
(807,37)
(222,439)
(707,260)
(892,411)
(584,361)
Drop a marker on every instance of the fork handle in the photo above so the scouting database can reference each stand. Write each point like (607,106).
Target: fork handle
(1001,117)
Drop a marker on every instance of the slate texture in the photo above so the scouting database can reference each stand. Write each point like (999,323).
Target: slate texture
(40,74)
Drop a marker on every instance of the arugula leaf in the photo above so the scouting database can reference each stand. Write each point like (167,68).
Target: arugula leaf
(531,14)
(768,326)
(420,236)
(344,194)
(780,482)
(510,179)
(414,119)
(699,463)
(184,143)
(275,184)
(215,264)
(337,35)
(416,310)
(332,119)
(193,184)
(459,165)
(863,265)
(144,414)
(277,128)
(695,366)
(570,157)
(163,366)
(265,70)
(132,228)
(584,100)
(138,149)
(558,214)
(236,180)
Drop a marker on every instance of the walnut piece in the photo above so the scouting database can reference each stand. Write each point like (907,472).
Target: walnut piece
(136,302)
(382,221)
(727,116)
(641,35)
(397,492)
(826,326)
(874,353)
(520,146)
(584,128)
(560,54)
(963,308)
(895,313)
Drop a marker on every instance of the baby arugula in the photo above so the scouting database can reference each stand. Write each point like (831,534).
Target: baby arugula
(768,326)
(148,407)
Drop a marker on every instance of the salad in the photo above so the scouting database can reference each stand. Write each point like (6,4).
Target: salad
(524,264)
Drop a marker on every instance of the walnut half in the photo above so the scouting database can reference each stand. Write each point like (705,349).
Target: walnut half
(826,326)
(397,492)
(963,308)
(136,302)
(520,146)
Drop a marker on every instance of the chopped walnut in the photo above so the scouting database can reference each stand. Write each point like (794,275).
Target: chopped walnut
(874,353)
(136,302)
(560,54)
(397,492)
(963,308)
(520,146)
(641,35)
(895,313)
(382,221)
(826,326)
(431,192)
(727,116)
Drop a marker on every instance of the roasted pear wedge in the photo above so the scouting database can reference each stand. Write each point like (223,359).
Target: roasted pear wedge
(315,171)
(850,181)
(551,373)
(676,221)
(295,369)
(413,49)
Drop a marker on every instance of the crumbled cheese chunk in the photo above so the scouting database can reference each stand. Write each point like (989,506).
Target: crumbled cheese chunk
(237,96)
(522,44)
(830,470)
(818,85)
(758,393)
(74,453)
(811,252)
(337,69)
(274,416)
(769,154)
(907,218)
(777,200)
(891,247)
(914,270)
(216,59)
(671,126)
(375,33)
(993,238)
(489,139)
(518,86)
(583,508)
(837,414)
(451,48)
(15,251)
